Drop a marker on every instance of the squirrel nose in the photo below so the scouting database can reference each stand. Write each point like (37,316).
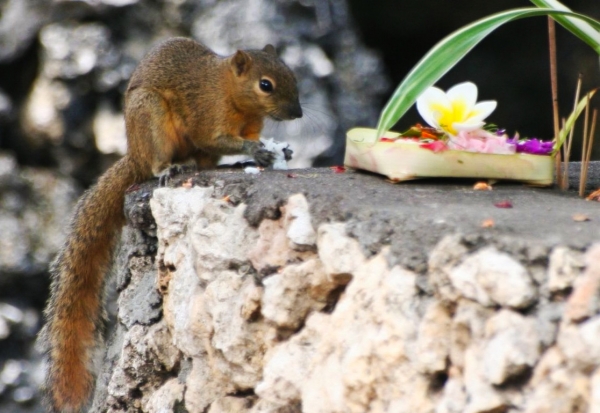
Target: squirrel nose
(295,111)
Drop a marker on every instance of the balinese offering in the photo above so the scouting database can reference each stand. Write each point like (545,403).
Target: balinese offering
(456,143)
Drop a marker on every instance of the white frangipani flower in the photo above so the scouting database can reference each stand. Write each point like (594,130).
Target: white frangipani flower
(456,110)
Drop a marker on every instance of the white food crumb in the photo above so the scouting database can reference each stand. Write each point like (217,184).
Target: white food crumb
(277,148)
(251,170)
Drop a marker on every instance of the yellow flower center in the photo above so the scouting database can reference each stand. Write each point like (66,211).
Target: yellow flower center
(457,113)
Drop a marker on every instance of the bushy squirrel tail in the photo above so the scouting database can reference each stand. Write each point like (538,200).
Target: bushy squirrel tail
(75,314)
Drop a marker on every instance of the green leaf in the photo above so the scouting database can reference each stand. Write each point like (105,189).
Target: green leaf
(449,51)
(564,132)
(580,28)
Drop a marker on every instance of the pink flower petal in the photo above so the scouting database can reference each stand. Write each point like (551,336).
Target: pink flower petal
(435,146)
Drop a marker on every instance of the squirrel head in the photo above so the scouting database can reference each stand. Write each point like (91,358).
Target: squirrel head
(263,83)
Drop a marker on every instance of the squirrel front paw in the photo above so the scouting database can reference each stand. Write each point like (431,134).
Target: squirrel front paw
(261,155)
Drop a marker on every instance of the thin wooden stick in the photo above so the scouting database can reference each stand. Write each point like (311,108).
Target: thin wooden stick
(590,145)
(584,144)
(554,86)
(558,166)
(569,143)
(564,150)
(592,132)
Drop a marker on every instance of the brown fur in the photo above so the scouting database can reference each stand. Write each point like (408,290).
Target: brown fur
(183,101)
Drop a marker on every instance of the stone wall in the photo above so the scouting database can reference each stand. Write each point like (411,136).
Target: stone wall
(265,297)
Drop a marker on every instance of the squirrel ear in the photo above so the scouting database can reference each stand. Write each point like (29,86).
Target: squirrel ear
(241,62)
(270,49)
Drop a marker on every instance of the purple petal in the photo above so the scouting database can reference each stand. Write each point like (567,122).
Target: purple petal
(534,146)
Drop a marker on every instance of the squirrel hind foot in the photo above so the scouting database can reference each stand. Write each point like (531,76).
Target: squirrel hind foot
(169,173)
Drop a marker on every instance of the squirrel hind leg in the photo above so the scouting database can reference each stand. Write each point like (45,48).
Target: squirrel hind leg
(153,130)
(205,160)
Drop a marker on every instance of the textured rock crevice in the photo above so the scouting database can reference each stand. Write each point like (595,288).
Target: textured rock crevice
(291,314)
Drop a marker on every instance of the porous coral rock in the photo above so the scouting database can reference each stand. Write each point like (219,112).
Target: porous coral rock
(300,231)
(254,327)
(203,387)
(492,277)
(433,341)
(585,300)
(236,346)
(273,248)
(288,364)
(511,346)
(482,396)
(565,265)
(468,326)
(231,404)
(340,254)
(360,364)
(168,396)
(287,299)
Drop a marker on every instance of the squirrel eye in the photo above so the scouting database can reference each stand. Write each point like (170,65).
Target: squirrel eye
(266,85)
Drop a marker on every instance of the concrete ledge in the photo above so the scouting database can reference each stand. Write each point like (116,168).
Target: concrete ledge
(321,292)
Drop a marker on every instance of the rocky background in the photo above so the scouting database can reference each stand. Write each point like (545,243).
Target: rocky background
(64,65)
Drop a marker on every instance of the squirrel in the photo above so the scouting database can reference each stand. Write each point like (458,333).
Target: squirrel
(183,102)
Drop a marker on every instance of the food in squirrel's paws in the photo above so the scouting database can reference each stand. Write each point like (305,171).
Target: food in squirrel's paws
(282,152)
